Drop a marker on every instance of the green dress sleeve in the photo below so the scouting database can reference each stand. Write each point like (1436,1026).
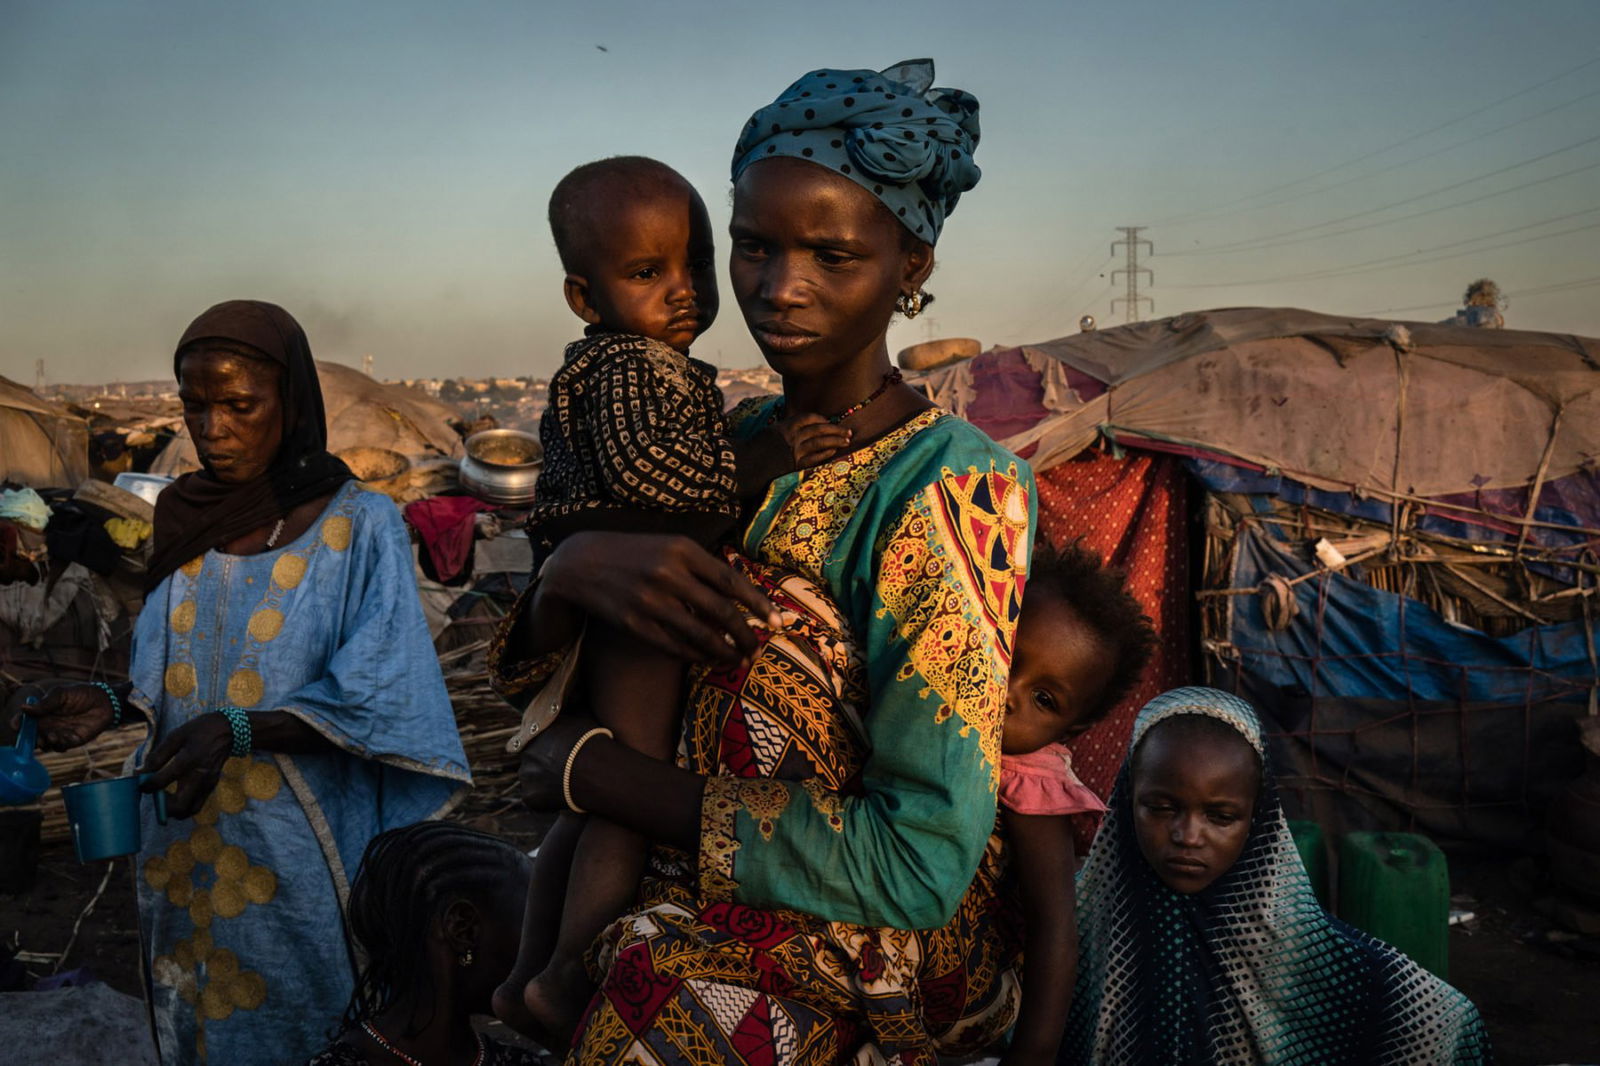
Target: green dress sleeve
(942,585)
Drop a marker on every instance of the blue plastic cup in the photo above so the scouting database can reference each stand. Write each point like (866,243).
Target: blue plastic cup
(105,816)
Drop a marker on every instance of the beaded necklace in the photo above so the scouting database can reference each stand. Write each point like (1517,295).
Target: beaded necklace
(377,1037)
(893,377)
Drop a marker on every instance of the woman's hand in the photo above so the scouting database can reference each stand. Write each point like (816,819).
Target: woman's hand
(667,591)
(192,755)
(810,439)
(68,715)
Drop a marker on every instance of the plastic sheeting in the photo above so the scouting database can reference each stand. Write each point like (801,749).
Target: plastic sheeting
(1386,714)
(1572,501)
(1341,403)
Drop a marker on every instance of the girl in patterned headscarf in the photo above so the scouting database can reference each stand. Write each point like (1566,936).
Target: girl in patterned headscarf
(1200,940)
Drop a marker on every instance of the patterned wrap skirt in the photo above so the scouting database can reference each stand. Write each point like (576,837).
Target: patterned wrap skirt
(681,982)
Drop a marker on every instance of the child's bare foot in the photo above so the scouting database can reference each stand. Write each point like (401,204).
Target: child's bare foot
(554,1001)
(509,1007)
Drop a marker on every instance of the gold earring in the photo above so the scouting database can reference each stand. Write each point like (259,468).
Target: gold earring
(909,305)
(466,958)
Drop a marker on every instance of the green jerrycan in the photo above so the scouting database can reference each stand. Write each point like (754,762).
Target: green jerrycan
(1396,886)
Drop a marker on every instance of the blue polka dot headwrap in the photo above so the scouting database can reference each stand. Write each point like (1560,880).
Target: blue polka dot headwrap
(908,144)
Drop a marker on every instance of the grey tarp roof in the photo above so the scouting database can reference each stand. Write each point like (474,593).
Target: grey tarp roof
(1407,409)
(42,445)
(361,412)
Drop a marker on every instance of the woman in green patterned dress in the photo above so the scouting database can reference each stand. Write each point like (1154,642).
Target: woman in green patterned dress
(826,881)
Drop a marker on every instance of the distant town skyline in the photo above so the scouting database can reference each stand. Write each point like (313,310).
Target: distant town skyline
(381,169)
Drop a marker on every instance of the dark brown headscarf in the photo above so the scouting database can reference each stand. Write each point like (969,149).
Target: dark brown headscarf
(197,512)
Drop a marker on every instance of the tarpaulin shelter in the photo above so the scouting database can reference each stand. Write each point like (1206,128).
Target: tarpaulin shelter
(362,413)
(1422,668)
(42,445)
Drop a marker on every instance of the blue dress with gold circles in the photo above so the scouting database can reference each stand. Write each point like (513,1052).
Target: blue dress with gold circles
(240,907)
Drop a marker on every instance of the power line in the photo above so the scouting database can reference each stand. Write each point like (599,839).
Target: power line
(1101,295)
(1050,313)
(1088,279)
(1274,242)
(1184,219)
(1560,286)
(1394,260)
(1403,163)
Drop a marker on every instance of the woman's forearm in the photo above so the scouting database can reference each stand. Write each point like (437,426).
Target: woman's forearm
(284,732)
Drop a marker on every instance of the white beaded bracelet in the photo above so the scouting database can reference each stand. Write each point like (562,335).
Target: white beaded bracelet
(572,757)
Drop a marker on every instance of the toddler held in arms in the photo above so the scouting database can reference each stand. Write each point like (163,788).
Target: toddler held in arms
(634,439)
(1081,644)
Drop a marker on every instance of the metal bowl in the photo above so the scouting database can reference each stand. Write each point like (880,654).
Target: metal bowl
(502,466)
(145,486)
(379,469)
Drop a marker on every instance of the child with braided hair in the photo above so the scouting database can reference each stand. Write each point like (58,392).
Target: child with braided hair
(435,911)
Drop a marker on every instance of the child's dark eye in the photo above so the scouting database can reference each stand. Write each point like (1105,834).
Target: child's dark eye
(647,274)
(1044,699)
(1223,818)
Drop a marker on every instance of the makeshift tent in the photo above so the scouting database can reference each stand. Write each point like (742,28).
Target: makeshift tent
(361,412)
(1422,669)
(42,445)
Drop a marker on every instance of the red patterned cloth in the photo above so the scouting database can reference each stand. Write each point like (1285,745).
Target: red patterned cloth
(684,980)
(1131,511)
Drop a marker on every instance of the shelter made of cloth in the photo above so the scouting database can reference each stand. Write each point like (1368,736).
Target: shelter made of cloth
(1431,681)
(42,444)
(1409,409)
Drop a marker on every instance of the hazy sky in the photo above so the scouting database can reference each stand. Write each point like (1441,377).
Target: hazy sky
(381,168)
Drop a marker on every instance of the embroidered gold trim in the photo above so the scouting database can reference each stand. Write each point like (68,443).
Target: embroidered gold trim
(828,804)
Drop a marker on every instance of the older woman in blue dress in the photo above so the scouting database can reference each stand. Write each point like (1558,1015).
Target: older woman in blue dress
(295,703)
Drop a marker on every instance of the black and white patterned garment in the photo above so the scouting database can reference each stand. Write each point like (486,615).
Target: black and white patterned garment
(1250,970)
(634,438)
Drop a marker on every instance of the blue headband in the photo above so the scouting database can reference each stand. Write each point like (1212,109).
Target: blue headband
(906,143)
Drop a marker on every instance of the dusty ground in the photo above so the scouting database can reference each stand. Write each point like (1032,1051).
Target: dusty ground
(1538,993)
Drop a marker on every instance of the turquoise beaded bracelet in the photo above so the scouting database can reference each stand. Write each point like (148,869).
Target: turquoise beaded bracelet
(116,703)
(239,724)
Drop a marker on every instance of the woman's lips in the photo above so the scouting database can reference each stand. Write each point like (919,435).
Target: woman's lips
(783,336)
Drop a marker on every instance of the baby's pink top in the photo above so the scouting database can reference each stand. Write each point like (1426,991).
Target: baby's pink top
(1042,782)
